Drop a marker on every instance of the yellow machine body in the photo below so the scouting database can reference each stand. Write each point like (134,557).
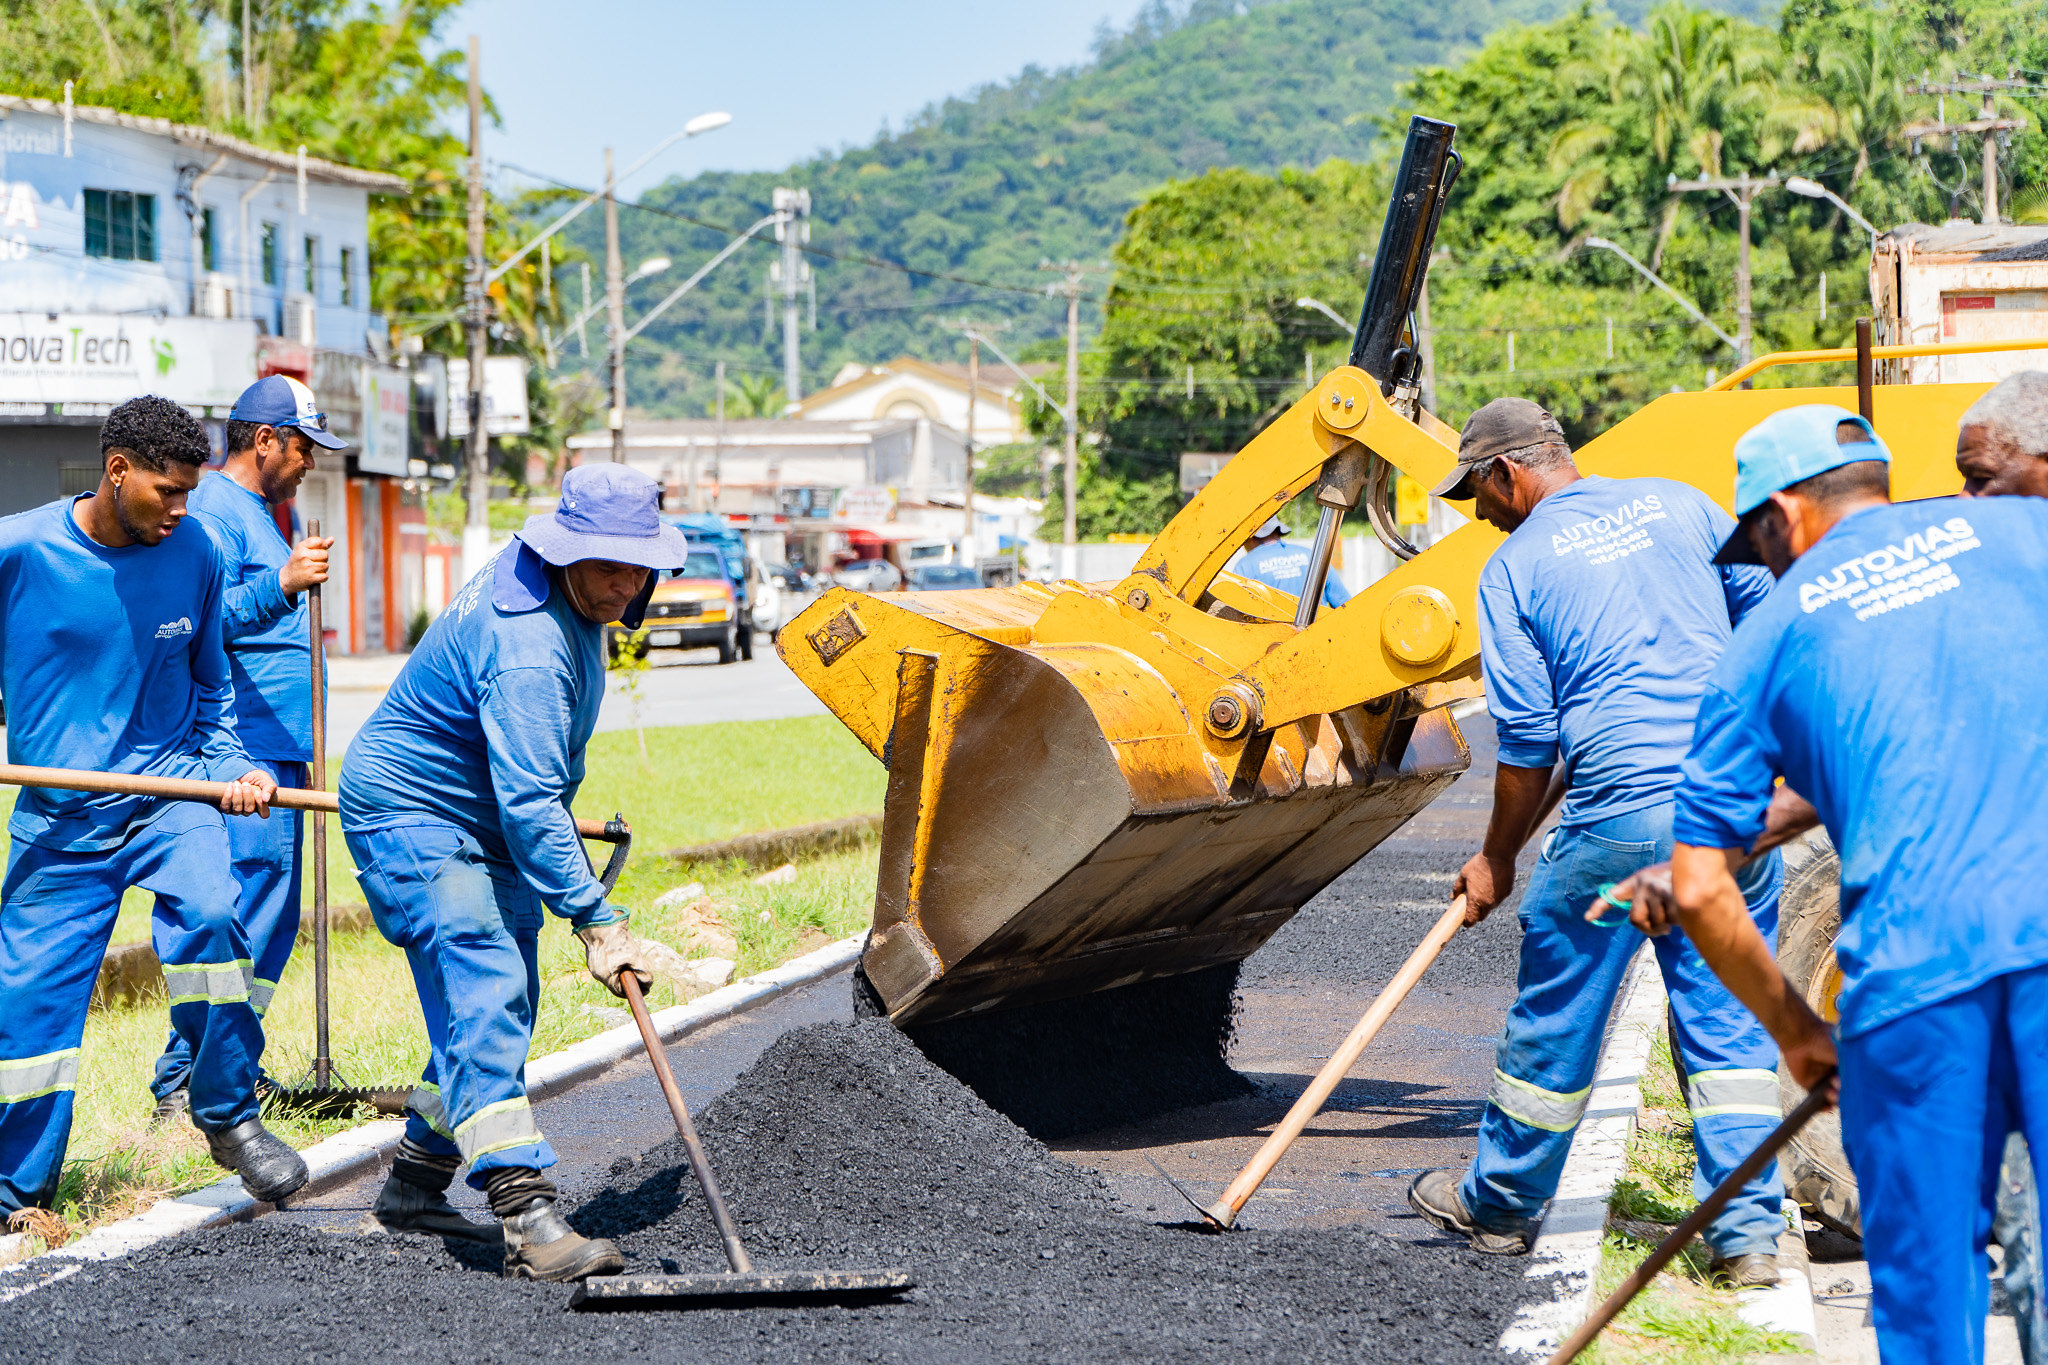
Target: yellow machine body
(1097,784)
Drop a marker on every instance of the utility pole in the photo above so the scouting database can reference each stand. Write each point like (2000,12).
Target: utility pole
(476,530)
(615,311)
(1742,191)
(1073,273)
(1994,129)
(975,332)
(718,451)
(793,230)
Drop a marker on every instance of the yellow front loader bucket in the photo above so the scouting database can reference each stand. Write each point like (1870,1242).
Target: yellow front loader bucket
(1097,784)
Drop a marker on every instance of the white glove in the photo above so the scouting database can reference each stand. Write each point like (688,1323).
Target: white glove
(611,950)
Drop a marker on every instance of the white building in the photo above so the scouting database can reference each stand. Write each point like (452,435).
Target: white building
(907,389)
(1960,282)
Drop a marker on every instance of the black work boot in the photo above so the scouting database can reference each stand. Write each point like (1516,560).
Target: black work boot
(415,1199)
(174,1105)
(269,1168)
(538,1244)
(1434,1196)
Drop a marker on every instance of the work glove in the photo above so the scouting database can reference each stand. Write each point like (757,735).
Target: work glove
(610,950)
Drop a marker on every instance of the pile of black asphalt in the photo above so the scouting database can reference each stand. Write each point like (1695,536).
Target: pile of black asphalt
(842,1147)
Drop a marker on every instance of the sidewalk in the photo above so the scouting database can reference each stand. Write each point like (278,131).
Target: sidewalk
(363,672)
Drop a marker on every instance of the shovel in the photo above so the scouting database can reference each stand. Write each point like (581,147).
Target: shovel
(742,1283)
(1223,1213)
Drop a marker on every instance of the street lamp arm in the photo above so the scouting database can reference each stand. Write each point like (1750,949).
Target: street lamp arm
(1323,308)
(1683,302)
(1036,387)
(691,129)
(687,285)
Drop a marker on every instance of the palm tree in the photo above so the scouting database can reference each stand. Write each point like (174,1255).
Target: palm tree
(1864,89)
(757,395)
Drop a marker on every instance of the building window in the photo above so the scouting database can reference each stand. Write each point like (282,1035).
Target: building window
(348,277)
(270,253)
(120,225)
(312,263)
(206,239)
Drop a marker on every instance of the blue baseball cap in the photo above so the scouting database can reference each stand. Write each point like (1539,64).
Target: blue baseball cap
(278,400)
(1786,448)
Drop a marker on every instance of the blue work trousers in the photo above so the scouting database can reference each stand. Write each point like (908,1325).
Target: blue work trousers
(1928,1100)
(57,912)
(1571,972)
(470,927)
(265,856)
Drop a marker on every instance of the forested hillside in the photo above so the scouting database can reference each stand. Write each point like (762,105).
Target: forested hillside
(976,191)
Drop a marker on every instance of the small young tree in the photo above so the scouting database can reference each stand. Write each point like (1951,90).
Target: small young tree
(627,661)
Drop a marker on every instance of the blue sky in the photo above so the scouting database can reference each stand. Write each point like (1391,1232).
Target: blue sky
(796,76)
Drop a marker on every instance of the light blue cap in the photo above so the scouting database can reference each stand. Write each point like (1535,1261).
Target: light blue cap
(1797,444)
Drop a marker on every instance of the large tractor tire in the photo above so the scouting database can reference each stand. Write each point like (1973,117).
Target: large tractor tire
(1809,917)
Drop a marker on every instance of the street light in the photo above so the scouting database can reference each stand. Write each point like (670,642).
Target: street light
(1323,308)
(703,123)
(1683,302)
(1813,189)
(649,268)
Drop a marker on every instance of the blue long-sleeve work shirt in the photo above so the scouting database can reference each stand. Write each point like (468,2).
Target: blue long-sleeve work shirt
(1280,565)
(110,660)
(1600,619)
(269,652)
(485,729)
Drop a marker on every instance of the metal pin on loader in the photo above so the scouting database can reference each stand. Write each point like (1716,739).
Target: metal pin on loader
(742,1282)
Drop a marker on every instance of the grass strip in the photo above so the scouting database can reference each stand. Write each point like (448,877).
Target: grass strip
(1680,1319)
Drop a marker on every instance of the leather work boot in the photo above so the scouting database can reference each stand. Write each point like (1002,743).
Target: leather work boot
(403,1206)
(171,1106)
(1753,1270)
(269,1168)
(540,1246)
(1434,1196)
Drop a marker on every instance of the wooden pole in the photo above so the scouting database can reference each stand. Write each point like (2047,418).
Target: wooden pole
(323,1064)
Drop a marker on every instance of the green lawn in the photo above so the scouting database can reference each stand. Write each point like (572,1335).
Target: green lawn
(698,783)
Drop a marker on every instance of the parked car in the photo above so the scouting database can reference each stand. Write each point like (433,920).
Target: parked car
(941,577)
(692,607)
(782,592)
(870,575)
(708,530)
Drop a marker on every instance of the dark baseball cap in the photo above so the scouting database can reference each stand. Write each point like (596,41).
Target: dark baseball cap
(1502,427)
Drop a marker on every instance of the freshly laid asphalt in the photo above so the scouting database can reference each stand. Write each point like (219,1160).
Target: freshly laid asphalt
(842,1146)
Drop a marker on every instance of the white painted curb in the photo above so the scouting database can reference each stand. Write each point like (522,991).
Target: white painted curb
(346,1156)
(1567,1247)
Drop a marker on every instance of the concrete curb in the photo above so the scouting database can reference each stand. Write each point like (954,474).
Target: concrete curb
(347,1156)
(774,847)
(1567,1248)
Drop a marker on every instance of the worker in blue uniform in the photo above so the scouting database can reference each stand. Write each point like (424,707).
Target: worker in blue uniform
(1878,681)
(111,660)
(1278,564)
(272,433)
(1600,617)
(455,800)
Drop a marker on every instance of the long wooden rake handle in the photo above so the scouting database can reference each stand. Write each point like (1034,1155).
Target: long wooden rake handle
(735,1254)
(1224,1211)
(1815,1101)
(192,789)
(323,1064)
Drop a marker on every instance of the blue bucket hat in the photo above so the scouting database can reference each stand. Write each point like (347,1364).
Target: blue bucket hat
(1786,448)
(278,400)
(607,511)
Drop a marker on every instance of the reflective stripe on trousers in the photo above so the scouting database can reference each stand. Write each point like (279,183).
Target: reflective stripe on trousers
(32,1077)
(1535,1106)
(425,1100)
(260,993)
(210,983)
(1735,1091)
(495,1127)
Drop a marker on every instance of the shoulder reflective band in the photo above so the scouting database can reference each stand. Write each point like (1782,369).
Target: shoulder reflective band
(497,1127)
(1745,1091)
(1535,1106)
(33,1077)
(209,983)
